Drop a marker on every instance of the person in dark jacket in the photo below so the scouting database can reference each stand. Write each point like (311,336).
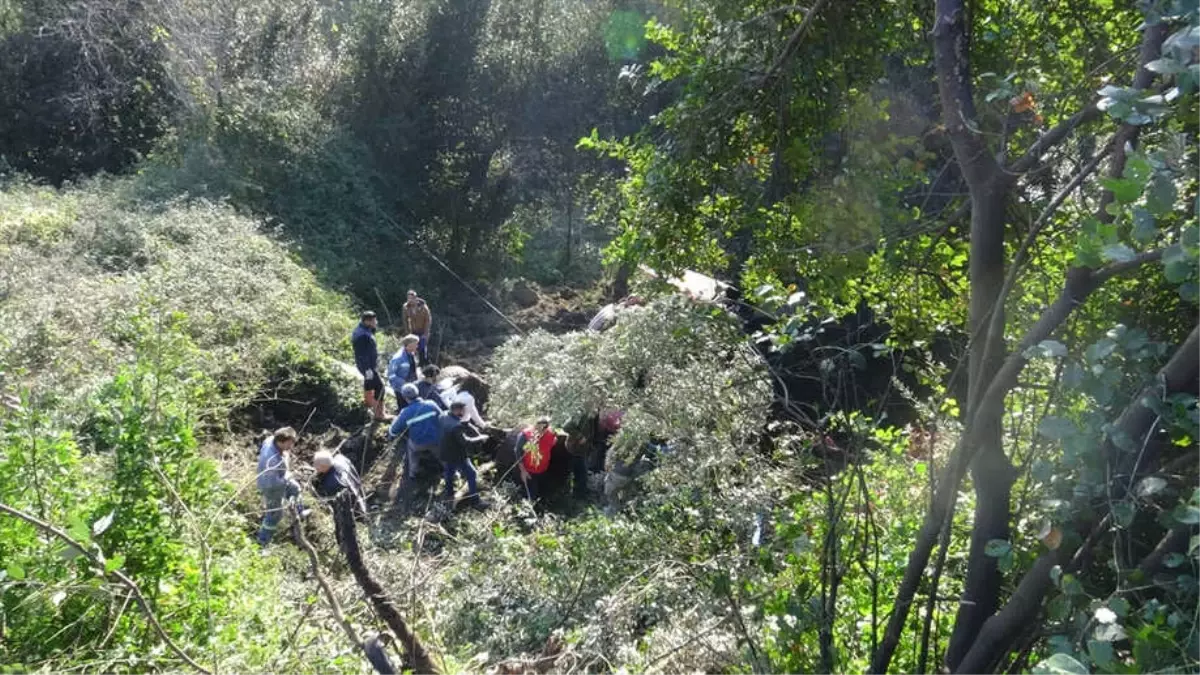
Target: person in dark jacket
(427,386)
(366,359)
(423,422)
(335,473)
(457,438)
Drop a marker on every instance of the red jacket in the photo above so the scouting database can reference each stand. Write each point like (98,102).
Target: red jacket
(536,456)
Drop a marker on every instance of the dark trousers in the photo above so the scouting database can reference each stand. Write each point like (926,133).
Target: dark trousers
(579,473)
(464,469)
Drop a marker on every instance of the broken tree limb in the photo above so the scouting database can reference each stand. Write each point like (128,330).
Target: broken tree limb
(116,575)
(415,653)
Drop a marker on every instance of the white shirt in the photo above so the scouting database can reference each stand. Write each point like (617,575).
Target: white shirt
(452,395)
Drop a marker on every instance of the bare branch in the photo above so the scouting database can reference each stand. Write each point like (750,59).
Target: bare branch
(793,43)
(1033,156)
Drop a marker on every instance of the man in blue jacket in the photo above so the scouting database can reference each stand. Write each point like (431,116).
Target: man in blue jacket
(423,422)
(275,481)
(366,359)
(402,369)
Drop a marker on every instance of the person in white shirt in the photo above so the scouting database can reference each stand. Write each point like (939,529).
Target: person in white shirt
(471,391)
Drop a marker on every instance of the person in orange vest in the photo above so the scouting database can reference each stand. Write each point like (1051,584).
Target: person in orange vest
(535,447)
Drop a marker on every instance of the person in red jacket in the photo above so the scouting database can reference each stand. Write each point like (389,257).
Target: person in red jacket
(536,447)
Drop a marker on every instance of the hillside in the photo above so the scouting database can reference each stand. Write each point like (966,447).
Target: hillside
(929,400)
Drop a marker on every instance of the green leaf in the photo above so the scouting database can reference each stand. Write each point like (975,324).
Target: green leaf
(1101,652)
(1118,253)
(1124,190)
(1178,271)
(1120,606)
(1102,349)
(1109,632)
(1060,664)
(1150,486)
(1160,198)
(1059,608)
(1186,514)
(1190,237)
(15,571)
(1046,348)
(1145,227)
(114,563)
(1056,428)
(1123,514)
(101,525)
(996,548)
(1165,66)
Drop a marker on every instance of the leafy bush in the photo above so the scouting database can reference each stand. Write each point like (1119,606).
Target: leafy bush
(76,302)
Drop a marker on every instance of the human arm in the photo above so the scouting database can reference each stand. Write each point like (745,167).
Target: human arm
(401,423)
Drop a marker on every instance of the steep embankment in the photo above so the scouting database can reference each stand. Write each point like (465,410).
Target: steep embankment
(129,333)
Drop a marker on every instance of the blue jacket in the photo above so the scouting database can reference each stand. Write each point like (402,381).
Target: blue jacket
(401,369)
(366,353)
(423,420)
(272,467)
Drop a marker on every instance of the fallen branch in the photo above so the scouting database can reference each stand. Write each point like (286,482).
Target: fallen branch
(415,653)
(117,575)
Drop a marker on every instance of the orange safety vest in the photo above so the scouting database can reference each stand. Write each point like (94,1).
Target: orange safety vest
(537,452)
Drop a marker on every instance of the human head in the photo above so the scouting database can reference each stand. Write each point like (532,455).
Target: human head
(410,392)
(412,295)
(543,424)
(285,438)
(410,343)
(458,408)
(430,373)
(323,461)
(369,319)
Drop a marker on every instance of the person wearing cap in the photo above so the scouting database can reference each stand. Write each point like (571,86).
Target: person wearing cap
(457,439)
(335,473)
(418,320)
(366,359)
(423,422)
(402,369)
(275,481)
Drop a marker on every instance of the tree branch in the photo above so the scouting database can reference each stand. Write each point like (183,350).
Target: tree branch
(950,48)
(793,44)
(1127,134)
(117,575)
(999,631)
(1080,283)
(1033,156)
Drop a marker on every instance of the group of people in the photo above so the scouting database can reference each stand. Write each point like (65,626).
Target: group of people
(436,417)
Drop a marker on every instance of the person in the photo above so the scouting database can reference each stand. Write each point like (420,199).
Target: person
(402,369)
(535,447)
(275,481)
(607,316)
(427,386)
(581,435)
(457,438)
(335,473)
(471,390)
(366,359)
(422,420)
(418,319)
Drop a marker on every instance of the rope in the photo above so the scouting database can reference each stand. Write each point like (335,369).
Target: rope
(414,240)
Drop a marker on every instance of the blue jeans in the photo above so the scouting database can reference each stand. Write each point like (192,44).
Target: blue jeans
(424,340)
(464,469)
(273,499)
